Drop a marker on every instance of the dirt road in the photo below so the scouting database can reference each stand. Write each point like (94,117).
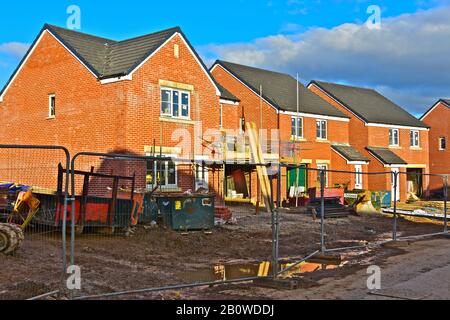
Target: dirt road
(418,271)
(421,273)
(155,257)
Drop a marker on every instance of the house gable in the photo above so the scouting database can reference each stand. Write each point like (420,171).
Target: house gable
(444,102)
(108,60)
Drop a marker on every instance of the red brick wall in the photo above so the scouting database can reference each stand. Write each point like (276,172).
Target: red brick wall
(311,149)
(361,136)
(249,105)
(358,135)
(116,117)
(439,121)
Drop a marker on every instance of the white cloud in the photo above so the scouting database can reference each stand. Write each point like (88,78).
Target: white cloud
(15,49)
(408,59)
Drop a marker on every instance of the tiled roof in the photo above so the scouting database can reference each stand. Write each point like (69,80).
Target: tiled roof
(280,90)
(350,153)
(386,156)
(369,105)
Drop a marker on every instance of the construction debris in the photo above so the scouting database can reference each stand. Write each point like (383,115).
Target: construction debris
(333,208)
(363,205)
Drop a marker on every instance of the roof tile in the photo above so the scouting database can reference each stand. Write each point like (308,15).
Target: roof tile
(280,90)
(369,105)
(386,156)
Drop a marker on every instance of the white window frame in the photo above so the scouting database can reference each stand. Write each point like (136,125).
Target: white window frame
(412,138)
(180,105)
(391,135)
(296,135)
(322,122)
(358,177)
(166,169)
(51,115)
(442,139)
(323,167)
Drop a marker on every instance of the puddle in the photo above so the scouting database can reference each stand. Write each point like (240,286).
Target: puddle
(262,269)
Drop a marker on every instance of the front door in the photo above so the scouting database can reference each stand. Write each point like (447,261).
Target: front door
(296,178)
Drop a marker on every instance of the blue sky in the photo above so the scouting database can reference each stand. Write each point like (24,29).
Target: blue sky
(216,28)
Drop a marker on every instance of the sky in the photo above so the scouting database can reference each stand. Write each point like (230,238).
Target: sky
(407,58)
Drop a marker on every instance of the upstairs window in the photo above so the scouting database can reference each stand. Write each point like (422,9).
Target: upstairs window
(415,138)
(442,143)
(297,127)
(52,106)
(321,128)
(394,137)
(175,103)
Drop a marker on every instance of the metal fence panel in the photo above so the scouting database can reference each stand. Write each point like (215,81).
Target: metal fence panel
(33,198)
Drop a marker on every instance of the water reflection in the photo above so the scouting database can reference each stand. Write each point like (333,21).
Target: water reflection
(262,269)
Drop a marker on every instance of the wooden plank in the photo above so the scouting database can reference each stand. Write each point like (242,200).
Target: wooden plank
(258,158)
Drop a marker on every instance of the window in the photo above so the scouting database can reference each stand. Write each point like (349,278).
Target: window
(394,137)
(321,126)
(297,127)
(161,173)
(322,167)
(175,103)
(415,138)
(358,177)
(51,106)
(442,143)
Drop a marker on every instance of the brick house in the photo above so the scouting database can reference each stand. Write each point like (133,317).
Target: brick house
(438,118)
(147,95)
(390,137)
(312,133)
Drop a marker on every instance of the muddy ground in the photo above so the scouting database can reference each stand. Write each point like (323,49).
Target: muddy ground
(155,257)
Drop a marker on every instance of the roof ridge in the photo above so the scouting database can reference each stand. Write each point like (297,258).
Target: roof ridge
(50,26)
(345,85)
(149,34)
(254,68)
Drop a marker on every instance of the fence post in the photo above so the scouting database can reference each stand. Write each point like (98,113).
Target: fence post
(275,227)
(445,204)
(322,211)
(394,228)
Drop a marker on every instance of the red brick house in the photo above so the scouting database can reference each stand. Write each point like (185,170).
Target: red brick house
(313,129)
(146,95)
(438,118)
(390,137)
